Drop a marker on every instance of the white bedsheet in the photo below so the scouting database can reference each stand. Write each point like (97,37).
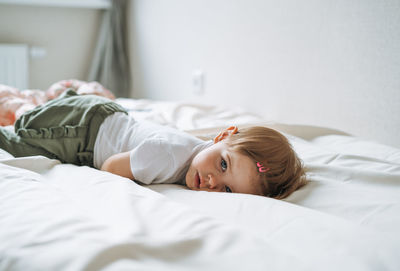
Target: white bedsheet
(350,208)
(65,217)
(187,116)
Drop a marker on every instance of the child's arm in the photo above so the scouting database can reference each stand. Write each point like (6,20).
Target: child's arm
(119,164)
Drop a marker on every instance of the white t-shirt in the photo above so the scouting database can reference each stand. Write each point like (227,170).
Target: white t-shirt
(158,154)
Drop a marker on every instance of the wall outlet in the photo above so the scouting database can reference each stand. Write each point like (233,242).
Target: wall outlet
(37,52)
(198,81)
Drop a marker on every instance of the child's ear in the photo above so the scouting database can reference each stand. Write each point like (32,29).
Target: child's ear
(225,133)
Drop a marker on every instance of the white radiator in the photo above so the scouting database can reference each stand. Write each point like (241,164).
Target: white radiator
(14,63)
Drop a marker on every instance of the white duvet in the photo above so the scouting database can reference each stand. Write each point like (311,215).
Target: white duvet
(64,217)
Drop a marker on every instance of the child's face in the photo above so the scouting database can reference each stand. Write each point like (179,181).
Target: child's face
(219,169)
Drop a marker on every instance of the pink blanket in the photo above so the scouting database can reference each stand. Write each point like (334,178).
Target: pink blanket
(13,102)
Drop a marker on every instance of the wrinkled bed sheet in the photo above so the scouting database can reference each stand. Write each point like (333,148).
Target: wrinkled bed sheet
(64,217)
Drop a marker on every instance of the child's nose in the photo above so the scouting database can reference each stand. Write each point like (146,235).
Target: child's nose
(212,181)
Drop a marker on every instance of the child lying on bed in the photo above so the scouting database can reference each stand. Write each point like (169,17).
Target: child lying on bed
(94,131)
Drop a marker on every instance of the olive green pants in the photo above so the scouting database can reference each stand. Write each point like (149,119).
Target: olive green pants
(64,128)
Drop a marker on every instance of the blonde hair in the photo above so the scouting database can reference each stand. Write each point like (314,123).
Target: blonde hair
(284,170)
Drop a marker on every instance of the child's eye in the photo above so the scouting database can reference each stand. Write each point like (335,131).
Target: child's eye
(227,189)
(224,165)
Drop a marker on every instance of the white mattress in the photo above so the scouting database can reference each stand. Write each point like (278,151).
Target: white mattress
(65,217)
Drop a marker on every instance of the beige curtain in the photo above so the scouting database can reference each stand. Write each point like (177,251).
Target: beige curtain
(110,65)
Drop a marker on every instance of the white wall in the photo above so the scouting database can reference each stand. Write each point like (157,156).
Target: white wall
(333,63)
(67,34)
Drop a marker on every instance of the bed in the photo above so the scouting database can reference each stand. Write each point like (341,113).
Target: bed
(63,217)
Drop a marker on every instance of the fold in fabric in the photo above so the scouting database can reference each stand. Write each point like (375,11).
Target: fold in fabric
(110,65)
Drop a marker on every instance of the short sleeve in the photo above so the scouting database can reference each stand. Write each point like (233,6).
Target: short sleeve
(151,161)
